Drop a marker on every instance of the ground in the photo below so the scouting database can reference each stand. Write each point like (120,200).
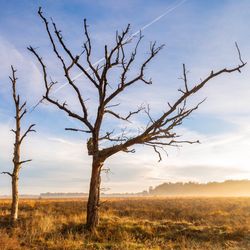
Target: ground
(130,223)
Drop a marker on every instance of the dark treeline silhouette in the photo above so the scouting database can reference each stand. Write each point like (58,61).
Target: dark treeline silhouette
(79,195)
(62,195)
(226,188)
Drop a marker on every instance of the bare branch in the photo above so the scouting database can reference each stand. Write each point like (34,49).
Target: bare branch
(22,106)
(131,113)
(22,162)
(88,48)
(161,127)
(30,129)
(140,77)
(23,113)
(8,173)
(159,154)
(126,150)
(78,130)
(73,58)
(147,111)
(109,138)
(66,68)
(112,105)
(238,50)
(48,87)
(184,78)
(14,131)
(13,79)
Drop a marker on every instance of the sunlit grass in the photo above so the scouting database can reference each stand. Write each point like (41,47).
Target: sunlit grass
(136,223)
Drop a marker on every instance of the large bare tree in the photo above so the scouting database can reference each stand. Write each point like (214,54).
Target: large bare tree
(20,112)
(158,133)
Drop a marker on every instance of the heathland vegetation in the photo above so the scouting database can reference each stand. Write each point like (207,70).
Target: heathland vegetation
(129,223)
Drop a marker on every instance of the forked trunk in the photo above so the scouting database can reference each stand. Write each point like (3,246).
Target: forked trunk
(94,196)
(14,205)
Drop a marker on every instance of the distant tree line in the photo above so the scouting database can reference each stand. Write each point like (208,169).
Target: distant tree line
(226,188)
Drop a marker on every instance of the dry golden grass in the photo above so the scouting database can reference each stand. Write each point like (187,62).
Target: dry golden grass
(130,223)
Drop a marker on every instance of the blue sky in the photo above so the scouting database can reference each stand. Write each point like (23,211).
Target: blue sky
(200,34)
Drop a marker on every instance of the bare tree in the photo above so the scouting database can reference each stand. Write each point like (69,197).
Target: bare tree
(21,111)
(157,133)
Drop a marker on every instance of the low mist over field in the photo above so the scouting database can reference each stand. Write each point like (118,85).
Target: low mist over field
(227,188)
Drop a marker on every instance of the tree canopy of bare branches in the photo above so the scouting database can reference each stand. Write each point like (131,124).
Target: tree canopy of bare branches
(158,133)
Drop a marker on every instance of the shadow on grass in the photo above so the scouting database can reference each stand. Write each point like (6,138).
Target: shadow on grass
(72,228)
(148,231)
(5,223)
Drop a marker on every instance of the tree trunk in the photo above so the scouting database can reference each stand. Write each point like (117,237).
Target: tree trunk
(94,196)
(15,174)
(14,205)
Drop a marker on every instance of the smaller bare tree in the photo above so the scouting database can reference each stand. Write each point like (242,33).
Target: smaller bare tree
(20,112)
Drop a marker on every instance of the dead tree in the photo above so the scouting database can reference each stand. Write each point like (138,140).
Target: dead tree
(158,133)
(21,111)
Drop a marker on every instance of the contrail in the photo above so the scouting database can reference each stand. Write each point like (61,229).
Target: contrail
(170,9)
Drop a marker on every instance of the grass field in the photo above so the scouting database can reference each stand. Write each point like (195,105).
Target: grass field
(130,223)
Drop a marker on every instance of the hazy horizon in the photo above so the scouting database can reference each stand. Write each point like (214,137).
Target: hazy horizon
(231,188)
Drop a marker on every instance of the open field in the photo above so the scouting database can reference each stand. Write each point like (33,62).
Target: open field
(131,223)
